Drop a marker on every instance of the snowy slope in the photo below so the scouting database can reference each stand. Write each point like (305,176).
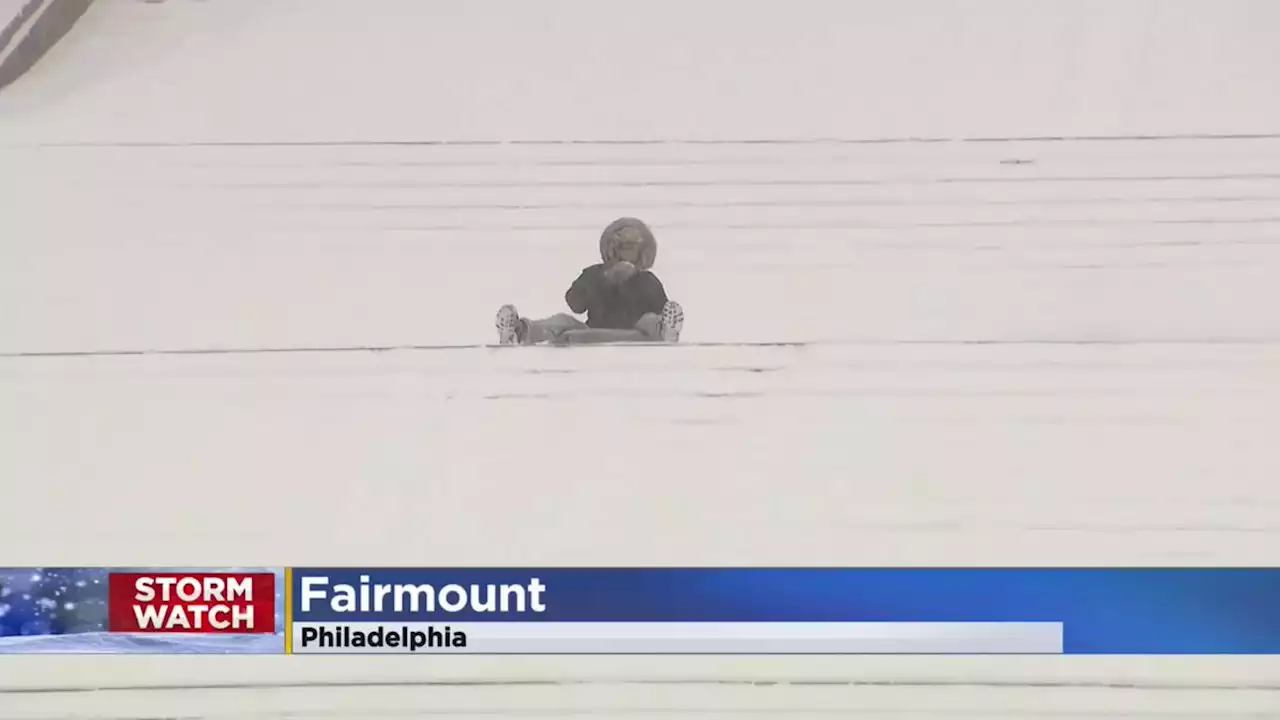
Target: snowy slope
(608,69)
(953,349)
(1161,240)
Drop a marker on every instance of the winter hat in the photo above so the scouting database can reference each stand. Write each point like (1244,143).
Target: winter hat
(609,242)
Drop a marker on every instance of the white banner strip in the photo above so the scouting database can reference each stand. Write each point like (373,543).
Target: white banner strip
(555,638)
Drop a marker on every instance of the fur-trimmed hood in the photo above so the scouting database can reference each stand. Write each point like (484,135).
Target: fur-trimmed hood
(609,242)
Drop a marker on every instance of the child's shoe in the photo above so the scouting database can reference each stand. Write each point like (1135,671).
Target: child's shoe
(672,322)
(511,327)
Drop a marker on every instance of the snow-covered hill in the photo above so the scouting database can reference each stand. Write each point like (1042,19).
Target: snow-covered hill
(913,338)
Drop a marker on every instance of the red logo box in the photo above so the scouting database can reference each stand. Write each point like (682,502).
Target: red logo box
(192,603)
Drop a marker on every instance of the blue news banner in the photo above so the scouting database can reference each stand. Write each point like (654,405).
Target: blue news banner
(677,611)
(783,611)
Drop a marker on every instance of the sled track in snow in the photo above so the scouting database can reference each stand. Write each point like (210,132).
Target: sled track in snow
(1063,683)
(338,349)
(663,698)
(883,140)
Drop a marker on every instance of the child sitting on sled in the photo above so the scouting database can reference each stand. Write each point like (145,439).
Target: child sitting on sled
(623,300)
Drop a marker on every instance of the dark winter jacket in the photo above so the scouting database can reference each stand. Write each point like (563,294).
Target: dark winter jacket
(618,307)
(615,307)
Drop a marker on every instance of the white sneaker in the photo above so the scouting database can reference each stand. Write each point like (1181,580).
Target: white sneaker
(672,322)
(508,324)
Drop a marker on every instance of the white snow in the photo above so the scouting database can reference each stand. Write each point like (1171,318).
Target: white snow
(10,9)
(507,69)
(1035,352)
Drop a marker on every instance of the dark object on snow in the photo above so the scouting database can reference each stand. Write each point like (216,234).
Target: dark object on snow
(33,31)
(617,307)
(620,307)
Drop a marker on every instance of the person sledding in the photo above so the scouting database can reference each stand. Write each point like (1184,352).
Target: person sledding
(621,297)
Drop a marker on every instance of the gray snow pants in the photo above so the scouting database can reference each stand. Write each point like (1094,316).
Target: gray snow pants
(566,329)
